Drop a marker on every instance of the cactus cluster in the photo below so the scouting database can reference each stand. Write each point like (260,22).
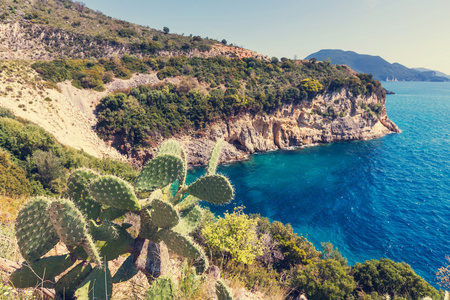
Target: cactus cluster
(89,221)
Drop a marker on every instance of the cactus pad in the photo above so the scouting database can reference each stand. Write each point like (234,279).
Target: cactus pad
(162,288)
(159,172)
(97,285)
(78,191)
(148,230)
(66,286)
(112,249)
(126,271)
(188,203)
(222,291)
(185,247)
(182,178)
(170,147)
(112,213)
(71,226)
(115,192)
(214,189)
(214,158)
(43,270)
(163,214)
(190,221)
(106,231)
(68,222)
(156,194)
(34,231)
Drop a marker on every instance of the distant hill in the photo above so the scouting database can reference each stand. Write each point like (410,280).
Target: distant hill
(375,65)
(429,70)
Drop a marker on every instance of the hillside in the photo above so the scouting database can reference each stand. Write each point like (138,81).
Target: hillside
(429,70)
(203,85)
(375,65)
(50,29)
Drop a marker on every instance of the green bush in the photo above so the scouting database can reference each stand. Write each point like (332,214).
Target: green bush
(13,180)
(233,238)
(44,160)
(385,276)
(325,279)
(293,244)
(49,167)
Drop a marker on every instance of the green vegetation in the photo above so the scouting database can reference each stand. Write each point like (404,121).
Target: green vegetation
(285,263)
(85,225)
(234,237)
(211,89)
(326,279)
(33,162)
(73,30)
(267,257)
(397,280)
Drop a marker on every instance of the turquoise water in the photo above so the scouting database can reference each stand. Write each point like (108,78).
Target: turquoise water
(388,197)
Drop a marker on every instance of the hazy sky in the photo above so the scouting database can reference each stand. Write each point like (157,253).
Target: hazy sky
(415,33)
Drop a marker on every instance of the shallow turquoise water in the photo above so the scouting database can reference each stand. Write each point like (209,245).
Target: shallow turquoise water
(388,197)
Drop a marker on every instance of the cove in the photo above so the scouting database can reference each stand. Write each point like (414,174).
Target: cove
(388,197)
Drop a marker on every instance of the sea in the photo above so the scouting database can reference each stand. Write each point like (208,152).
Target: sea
(382,198)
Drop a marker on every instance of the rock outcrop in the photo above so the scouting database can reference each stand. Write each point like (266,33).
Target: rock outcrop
(327,118)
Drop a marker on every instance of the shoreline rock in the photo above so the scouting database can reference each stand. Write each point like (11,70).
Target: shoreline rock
(292,126)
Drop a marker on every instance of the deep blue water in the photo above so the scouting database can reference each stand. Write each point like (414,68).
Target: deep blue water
(388,197)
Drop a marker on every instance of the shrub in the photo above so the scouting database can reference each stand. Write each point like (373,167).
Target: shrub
(233,238)
(22,140)
(13,180)
(385,276)
(282,232)
(329,252)
(311,85)
(48,165)
(326,279)
(5,112)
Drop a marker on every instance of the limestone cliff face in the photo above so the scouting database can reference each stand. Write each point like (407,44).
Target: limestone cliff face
(327,118)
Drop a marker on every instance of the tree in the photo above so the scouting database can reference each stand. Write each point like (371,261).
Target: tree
(166,29)
(224,41)
(329,252)
(48,165)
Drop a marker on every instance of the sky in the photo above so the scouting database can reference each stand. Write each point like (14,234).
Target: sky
(414,33)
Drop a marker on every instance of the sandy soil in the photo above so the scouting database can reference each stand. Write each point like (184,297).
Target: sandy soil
(68,115)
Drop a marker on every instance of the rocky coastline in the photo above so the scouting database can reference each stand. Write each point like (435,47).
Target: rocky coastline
(332,117)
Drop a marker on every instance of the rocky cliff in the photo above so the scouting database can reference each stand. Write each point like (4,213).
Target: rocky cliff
(326,118)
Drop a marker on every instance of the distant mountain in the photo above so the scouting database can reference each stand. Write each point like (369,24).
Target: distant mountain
(375,65)
(429,70)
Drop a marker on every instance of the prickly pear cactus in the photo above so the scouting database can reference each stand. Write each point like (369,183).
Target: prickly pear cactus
(91,225)
(78,191)
(115,192)
(214,159)
(222,291)
(159,172)
(34,231)
(162,289)
(215,189)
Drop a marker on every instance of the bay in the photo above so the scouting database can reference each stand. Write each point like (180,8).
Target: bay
(388,197)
